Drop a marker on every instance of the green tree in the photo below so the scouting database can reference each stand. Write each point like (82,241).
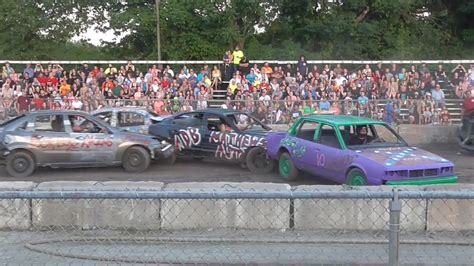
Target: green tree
(32,29)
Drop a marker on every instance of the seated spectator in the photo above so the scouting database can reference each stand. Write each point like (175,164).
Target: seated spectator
(438,96)
(445,116)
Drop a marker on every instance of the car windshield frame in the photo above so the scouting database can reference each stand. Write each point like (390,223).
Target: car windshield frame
(372,128)
(11,120)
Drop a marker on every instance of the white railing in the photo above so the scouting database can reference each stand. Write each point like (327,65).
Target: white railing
(201,62)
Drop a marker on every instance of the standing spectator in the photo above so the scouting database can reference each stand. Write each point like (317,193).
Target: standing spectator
(302,66)
(227,65)
(23,102)
(237,56)
(471,75)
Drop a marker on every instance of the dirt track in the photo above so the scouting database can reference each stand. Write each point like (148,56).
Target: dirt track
(209,171)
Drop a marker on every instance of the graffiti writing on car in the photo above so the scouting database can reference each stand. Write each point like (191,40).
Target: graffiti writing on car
(233,145)
(296,149)
(186,138)
(320,159)
(67,144)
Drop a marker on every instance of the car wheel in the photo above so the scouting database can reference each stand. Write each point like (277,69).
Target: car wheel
(287,169)
(172,159)
(355,177)
(20,164)
(258,162)
(136,159)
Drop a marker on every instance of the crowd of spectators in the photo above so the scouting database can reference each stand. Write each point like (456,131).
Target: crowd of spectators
(276,93)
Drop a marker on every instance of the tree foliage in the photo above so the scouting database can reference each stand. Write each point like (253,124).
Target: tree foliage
(270,29)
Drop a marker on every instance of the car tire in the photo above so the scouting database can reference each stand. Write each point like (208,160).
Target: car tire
(20,164)
(258,162)
(287,169)
(172,159)
(356,177)
(136,159)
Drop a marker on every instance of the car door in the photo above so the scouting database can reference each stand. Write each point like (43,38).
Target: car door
(188,132)
(304,149)
(49,139)
(221,138)
(93,143)
(329,153)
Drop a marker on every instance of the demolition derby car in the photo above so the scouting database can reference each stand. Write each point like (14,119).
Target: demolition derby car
(218,133)
(73,139)
(133,119)
(466,131)
(355,151)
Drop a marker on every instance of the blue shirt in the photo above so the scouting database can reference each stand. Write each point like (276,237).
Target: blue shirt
(324,105)
(363,100)
(29,71)
(437,95)
(251,78)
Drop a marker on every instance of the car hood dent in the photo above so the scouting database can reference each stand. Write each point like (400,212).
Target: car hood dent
(401,156)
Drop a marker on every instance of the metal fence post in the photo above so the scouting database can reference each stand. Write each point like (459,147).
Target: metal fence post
(394,229)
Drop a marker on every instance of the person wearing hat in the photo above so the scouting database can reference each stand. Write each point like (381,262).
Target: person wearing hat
(361,137)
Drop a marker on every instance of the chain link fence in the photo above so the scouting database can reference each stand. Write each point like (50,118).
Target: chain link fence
(273,111)
(301,225)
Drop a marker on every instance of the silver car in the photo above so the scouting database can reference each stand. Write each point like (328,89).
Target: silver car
(74,139)
(133,119)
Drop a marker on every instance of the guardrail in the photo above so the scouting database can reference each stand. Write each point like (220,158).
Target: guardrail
(147,222)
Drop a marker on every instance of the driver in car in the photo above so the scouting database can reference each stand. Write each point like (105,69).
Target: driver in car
(362,137)
(224,128)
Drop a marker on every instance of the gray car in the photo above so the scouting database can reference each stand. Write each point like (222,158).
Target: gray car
(133,119)
(74,139)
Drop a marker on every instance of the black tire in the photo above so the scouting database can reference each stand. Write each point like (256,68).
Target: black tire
(356,177)
(20,164)
(287,169)
(258,162)
(136,159)
(171,160)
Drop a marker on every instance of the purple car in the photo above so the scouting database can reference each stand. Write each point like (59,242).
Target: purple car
(355,151)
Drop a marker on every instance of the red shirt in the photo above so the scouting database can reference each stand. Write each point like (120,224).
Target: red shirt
(38,103)
(43,81)
(23,103)
(54,81)
(165,84)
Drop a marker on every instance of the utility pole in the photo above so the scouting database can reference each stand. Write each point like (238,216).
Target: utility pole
(158,41)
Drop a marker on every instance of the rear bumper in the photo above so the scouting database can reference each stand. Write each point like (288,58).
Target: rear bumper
(425,181)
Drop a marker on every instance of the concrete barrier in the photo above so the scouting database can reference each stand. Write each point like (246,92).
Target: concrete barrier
(15,214)
(450,215)
(355,214)
(226,213)
(343,214)
(428,134)
(100,213)
(411,133)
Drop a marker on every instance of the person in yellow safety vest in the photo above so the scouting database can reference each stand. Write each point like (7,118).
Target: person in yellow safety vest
(237,56)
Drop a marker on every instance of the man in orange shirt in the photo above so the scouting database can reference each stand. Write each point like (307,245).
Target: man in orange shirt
(65,88)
